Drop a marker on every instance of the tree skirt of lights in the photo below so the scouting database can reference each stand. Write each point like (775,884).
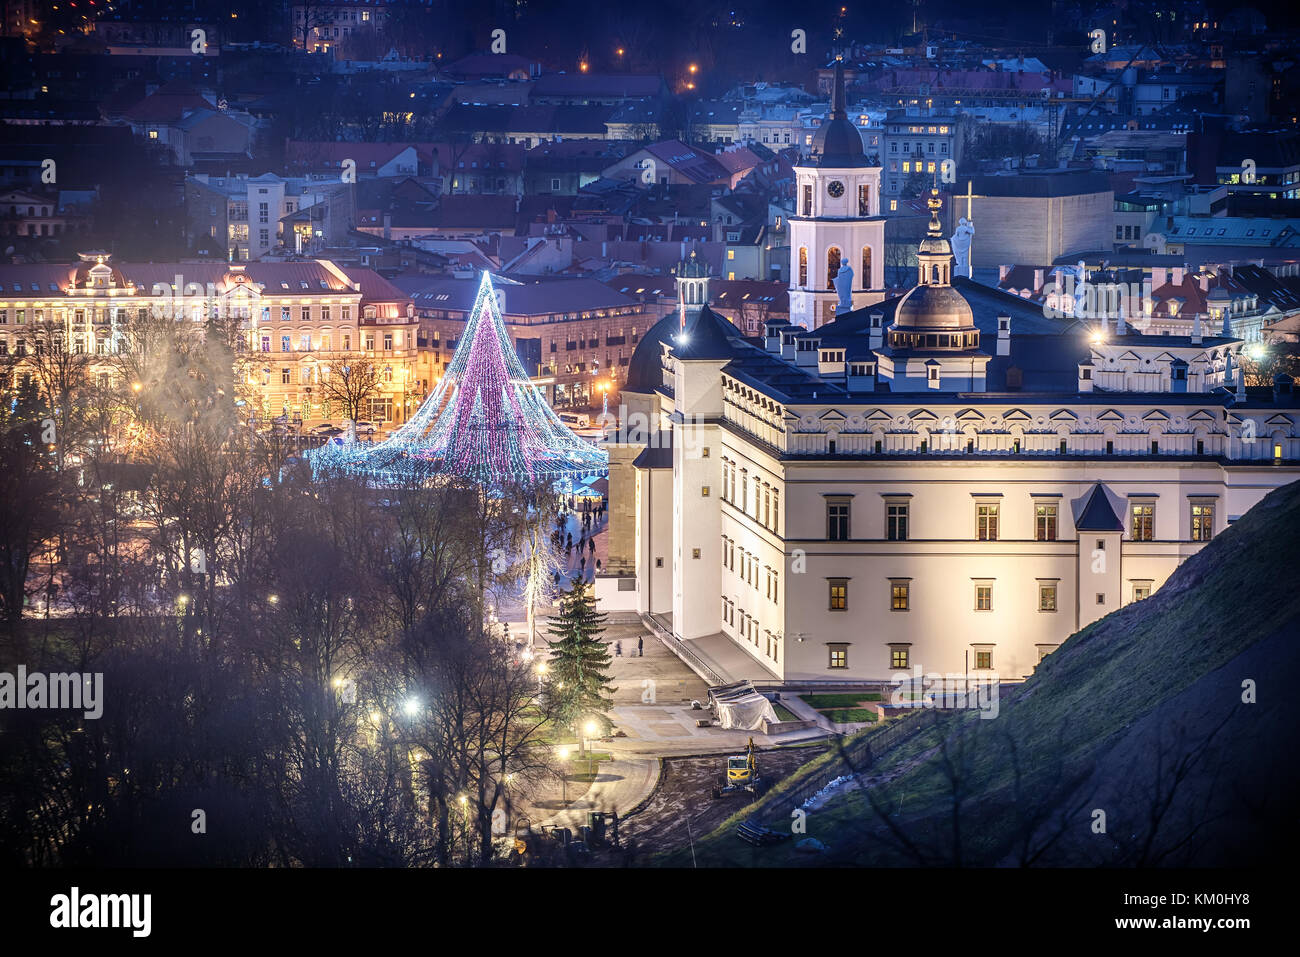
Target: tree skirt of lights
(485,420)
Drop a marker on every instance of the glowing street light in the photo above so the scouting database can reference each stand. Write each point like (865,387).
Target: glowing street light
(411,707)
(563,753)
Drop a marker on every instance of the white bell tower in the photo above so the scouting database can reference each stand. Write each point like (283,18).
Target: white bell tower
(837,220)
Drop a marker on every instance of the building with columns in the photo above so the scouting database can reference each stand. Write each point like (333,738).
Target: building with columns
(949,480)
(837,220)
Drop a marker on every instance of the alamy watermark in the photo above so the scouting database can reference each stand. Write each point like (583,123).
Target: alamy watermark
(72,691)
(947,691)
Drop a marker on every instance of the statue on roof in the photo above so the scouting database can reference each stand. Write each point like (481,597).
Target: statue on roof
(961,243)
(844,288)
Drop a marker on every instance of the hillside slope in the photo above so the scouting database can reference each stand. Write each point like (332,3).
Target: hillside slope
(1130,746)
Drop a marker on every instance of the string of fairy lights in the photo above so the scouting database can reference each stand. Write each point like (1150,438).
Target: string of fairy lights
(485,420)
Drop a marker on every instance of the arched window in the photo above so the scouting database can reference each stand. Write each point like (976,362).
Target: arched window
(832,265)
(866,267)
(934,273)
(803,266)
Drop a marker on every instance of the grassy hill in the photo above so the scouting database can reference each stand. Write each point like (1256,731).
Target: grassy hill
(1130,746)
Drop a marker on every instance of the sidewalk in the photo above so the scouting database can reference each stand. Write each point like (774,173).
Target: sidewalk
(620,785)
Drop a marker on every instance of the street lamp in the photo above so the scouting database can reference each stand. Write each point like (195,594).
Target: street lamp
(589,731)
(563,753)
(411,707)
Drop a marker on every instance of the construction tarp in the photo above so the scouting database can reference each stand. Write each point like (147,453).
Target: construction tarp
(739,707)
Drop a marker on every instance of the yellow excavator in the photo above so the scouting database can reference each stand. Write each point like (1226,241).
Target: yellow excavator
(742,775)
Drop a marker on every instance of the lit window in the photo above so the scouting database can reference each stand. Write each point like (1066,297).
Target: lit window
(986,517)
(900,595)
(1202,521)
(1047,596)
(839,594)
(1143,522)
(1045,523)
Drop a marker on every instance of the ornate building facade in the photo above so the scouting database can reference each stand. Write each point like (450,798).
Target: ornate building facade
(948,480)
(296,320)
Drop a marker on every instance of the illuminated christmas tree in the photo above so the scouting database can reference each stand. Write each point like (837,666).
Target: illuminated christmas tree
(484,420)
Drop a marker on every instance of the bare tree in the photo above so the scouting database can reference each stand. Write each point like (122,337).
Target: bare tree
(351,383)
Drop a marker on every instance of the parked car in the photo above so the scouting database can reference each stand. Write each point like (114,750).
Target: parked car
(366,428)
(326,428)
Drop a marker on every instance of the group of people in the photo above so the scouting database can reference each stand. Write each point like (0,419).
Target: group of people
(586,541)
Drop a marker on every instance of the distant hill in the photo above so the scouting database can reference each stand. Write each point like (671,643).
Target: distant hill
(1140,716)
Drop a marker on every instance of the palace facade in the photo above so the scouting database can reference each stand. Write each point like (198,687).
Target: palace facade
(950,480)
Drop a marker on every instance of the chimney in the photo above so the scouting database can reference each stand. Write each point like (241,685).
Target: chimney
(1196,330)
(1177,277)
(388,225)
(772,338)
(1003,272)
(1004,335)
(1040,276)
(877,330)
(1085,375)
(1158,276)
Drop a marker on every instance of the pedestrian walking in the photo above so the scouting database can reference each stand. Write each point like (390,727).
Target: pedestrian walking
(618,649)
(591,544)
(640,647)
(582,563)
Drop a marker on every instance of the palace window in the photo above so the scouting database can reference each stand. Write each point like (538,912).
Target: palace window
(1143,523)
(839,594)
(837,521)
(1045,523)
(983,660)
(900,657)
(983,597)
(1202,521)
(1047,596)
(839,656)
(986,522)
(1141,590)
(896,521)
(900,594)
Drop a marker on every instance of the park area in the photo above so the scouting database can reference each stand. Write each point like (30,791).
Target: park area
(854,706)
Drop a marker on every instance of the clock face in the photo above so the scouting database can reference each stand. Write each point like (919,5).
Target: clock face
(835,188)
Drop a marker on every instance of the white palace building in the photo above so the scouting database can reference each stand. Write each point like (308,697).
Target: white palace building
(946,481)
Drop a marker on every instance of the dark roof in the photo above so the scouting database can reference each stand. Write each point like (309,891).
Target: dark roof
(644,369)
(837,144)
(1098,515)
(658,454)
(1041,183)
(710,336)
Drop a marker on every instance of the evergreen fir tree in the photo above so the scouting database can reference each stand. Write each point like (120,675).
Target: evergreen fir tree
(580,659)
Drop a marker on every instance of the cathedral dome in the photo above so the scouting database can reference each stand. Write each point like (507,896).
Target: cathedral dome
(933,307)
(932,314)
